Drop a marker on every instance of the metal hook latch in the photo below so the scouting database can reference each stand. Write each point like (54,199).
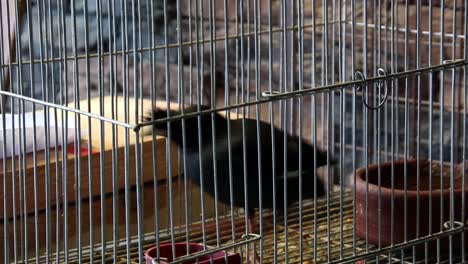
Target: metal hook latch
(159,260)
(358,75)
(270,93)
(456,224)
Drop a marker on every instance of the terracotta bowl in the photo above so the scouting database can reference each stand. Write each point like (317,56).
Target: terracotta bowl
(165,253)
(387,237)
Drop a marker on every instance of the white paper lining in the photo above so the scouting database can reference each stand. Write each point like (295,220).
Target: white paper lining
(10,138)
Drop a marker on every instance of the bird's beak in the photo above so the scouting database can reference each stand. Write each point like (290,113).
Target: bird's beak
(148,130)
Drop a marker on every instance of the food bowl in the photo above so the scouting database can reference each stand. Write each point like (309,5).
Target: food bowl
(165,254)
(429,221)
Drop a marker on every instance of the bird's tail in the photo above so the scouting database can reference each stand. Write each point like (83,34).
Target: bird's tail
(323,158)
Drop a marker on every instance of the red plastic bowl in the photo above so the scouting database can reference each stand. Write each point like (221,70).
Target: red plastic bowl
(165,253)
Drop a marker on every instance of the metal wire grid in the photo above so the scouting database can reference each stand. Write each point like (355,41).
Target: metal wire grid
(342,243)
(324,53)
(293,221)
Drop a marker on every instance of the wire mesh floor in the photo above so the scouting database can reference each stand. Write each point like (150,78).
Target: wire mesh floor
(333,244)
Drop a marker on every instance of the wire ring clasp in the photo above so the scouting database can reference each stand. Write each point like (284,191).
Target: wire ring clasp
(358,75)
(270,93)
(456,224)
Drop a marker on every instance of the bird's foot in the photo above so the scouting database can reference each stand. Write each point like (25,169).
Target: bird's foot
(253,256)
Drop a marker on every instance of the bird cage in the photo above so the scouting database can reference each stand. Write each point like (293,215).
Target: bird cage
(252,131)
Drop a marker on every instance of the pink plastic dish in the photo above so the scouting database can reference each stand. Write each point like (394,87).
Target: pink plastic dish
(165,254)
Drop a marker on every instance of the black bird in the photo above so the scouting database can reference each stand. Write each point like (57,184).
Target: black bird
(237,161)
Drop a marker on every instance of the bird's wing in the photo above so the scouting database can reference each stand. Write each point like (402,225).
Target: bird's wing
(291,175)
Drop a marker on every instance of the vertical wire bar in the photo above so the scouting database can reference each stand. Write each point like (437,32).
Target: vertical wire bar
(190,33)
(77,136)
(441,129)
(393,114)
(331,119)
(247,99)
(200,33)
(406,127)
(282,63)
(213,104)
(199,55)
(341,119)
(13,165)
(244,154)
(153,92)
(6,238)
(353,123)
(313,125)
(126,177)
(386,67)
(292,82)
(141,65)
(257,25)
(184,150)
(325,118)
(168,141)
(285,171)
(22,132)
(365,148)
(101,135)
(64,115)
(125,88)
(430,127)
(31,71)
(342,43)
(377,122)
(88,95)
(374,55)
(22,139)
(55,117)
(228,119)
(199,49)
(324,75)
(22,168)
(138,186)
(314,142)
(395,65)
(6,247)
(44,86)
(300,22)
(284,120)
(418,124)
(292,60)
(182,102)
(47,132)
(237,55)
(137,138)
(465,79)
(397,104)
(180,99)
(272,121)
(113,93)
(452,134)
